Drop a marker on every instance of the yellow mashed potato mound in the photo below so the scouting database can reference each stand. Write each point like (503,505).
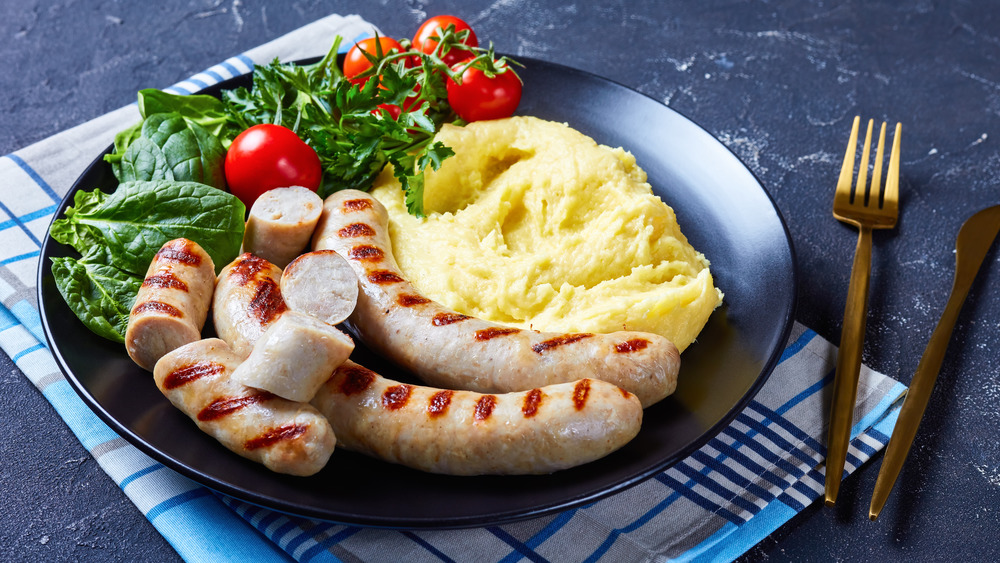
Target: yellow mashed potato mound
(535,225)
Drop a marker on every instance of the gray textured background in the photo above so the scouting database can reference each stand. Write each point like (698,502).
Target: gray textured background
(778,82)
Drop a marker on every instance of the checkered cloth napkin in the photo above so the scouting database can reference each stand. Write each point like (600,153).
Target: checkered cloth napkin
(716,504)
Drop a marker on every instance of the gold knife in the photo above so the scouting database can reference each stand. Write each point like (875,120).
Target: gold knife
(974,241)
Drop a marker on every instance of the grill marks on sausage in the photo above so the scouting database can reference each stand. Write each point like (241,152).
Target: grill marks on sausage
(179,251)
(157,307)
(562,340)
(633,345)
(356,230)
(384,277)
(442,319)
(165,280)
(580,392)
(438,405)
(493,332)
(410,300)
(267,303)
(366,253)
(356,380)
(531,403)
(187,374)
(353,205)
(247,267)
(484,407)
(280,434)
(396,397)
(224,406)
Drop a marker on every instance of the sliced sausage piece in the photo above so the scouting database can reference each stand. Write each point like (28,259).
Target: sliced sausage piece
(286,436)
(294,357)
(322,284)
(172,304)
(247,300)
(280,224)
(465,433)
(451,350)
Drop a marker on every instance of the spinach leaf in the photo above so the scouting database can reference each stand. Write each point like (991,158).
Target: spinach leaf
(143,160)
(78,235)
(192,153)
(125,138)
(207,111)
(100,295)
(140,216)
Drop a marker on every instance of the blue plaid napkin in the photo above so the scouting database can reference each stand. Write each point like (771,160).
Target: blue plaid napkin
(713,506)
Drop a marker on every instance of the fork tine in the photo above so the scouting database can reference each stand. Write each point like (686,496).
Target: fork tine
(892,176)
(859,189)
(876,185)
(847,170)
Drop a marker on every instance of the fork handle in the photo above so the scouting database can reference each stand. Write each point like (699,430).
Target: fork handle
(845,382)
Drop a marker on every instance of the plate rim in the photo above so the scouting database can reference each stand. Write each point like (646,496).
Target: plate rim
(461,522)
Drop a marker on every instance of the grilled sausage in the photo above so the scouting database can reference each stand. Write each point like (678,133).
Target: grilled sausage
(286,436)
(466,433)
(321,284)
(451,350)
(281,223)
(247,300)
(172,304)
(294,357)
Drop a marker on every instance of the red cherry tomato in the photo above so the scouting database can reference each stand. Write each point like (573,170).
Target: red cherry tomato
(268,156)
(355,61)
(426,39)
(479,97)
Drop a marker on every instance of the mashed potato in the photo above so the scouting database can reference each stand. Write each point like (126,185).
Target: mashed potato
(533,224)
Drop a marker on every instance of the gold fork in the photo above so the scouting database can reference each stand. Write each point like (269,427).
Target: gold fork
(876,209)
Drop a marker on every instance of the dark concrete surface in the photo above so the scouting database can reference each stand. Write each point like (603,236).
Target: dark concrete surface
(778,82)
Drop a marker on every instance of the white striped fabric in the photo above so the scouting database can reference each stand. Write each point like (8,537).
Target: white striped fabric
(747,481)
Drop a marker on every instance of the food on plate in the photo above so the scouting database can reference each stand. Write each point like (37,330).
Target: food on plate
(535,431)
(269,156)
(172,303)
(118,234)
(281,223)
(452,350)
(246,301)
(587,275)
(322,284)
(294,356)
(286,436)
(535,225)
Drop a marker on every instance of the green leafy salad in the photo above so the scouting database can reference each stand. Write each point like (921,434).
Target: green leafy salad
(190,168)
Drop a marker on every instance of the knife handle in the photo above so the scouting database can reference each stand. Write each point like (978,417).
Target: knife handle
(845,382)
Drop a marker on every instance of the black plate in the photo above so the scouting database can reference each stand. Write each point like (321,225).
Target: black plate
(721,207)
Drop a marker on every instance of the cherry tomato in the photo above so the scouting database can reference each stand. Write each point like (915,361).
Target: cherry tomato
(479,97)
(269,156)
(355,62)
(426,39)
